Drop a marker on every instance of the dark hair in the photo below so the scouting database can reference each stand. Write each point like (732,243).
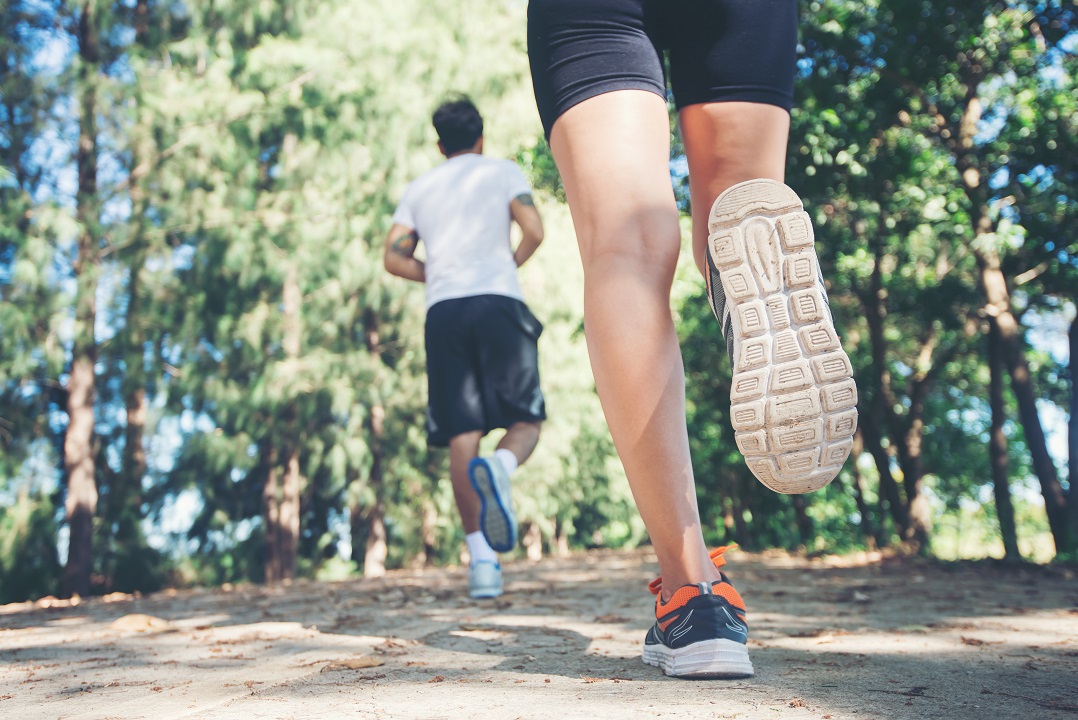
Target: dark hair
(458,124)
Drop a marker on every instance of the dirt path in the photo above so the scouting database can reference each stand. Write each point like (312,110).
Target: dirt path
(872,640)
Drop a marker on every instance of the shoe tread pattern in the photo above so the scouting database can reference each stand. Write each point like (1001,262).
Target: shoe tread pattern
(495,518)
(793,398)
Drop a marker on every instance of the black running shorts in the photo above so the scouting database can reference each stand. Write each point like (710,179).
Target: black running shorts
(482,366)
(718,50)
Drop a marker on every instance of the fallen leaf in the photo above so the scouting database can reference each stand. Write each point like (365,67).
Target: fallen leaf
(437,678)
(797,702)
(913,629)
(138,622)
(357,662)
(611,619)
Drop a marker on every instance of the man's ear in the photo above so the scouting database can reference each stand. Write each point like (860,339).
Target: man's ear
(441,149)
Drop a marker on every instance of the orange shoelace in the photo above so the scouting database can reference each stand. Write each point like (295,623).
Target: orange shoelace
(716,555)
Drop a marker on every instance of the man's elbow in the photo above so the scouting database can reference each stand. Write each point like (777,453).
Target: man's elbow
(390,264)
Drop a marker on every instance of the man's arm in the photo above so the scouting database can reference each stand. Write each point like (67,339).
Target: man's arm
(400,258)
(523,211)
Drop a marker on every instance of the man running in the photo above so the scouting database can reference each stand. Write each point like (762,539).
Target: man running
(482,361)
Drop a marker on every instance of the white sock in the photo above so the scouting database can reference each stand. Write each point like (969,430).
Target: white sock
(508,460)
(479,548)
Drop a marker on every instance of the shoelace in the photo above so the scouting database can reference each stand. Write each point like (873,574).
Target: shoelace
(716,555)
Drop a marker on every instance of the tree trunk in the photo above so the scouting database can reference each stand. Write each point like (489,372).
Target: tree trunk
(561,538)
(1072,445)
(888,486)
(377,550)
(532,540)
(81,502)
(868,526)
(125,497)
(358,530)
(429,535)
(288,512)
(882,419)
(271,515)
(728,521)
(1055,503)
(997,448)
(997,295)
(920,515)
(288,517)
(804,522)
(743,534)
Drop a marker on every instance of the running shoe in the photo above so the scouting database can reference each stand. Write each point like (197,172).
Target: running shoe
(485,579)
(700,632)
(496,518)
(793,398)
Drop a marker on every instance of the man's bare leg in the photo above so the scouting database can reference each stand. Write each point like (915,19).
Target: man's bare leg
(462,450)
(521,439)
(613,153)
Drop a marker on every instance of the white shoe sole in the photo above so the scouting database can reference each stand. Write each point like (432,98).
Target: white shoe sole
(719,658)
(793,400)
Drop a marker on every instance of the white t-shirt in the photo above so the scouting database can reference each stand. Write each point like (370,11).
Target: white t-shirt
(460,210)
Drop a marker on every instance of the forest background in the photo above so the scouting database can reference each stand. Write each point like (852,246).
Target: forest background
(207,377)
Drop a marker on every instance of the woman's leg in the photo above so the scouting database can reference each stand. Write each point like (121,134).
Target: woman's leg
(613,154)
(727,143)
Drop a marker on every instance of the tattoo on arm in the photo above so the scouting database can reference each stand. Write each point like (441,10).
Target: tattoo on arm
(525,199)
(405,245)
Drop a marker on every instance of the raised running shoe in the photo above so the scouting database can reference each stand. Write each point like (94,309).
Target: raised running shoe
(496,518)
(485,579)
(700,632)
(793,398)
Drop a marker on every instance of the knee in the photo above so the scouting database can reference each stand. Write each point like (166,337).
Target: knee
(645,242)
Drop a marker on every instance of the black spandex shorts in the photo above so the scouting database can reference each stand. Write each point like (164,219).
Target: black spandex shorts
(482,366)
(718,50)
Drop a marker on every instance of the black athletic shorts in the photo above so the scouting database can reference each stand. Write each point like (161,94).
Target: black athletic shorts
(718,50)
(482,366)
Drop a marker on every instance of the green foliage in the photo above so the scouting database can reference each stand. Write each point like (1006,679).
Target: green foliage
(253,153)
(29,566)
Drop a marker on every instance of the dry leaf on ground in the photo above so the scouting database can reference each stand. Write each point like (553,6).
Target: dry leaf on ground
(139,623)
(354,663)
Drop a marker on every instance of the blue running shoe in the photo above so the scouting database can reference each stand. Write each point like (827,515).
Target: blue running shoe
(496,519)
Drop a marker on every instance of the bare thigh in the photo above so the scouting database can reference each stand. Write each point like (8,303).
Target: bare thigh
(727,143)
(613,153)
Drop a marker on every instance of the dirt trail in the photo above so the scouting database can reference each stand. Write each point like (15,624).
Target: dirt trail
(830,639)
